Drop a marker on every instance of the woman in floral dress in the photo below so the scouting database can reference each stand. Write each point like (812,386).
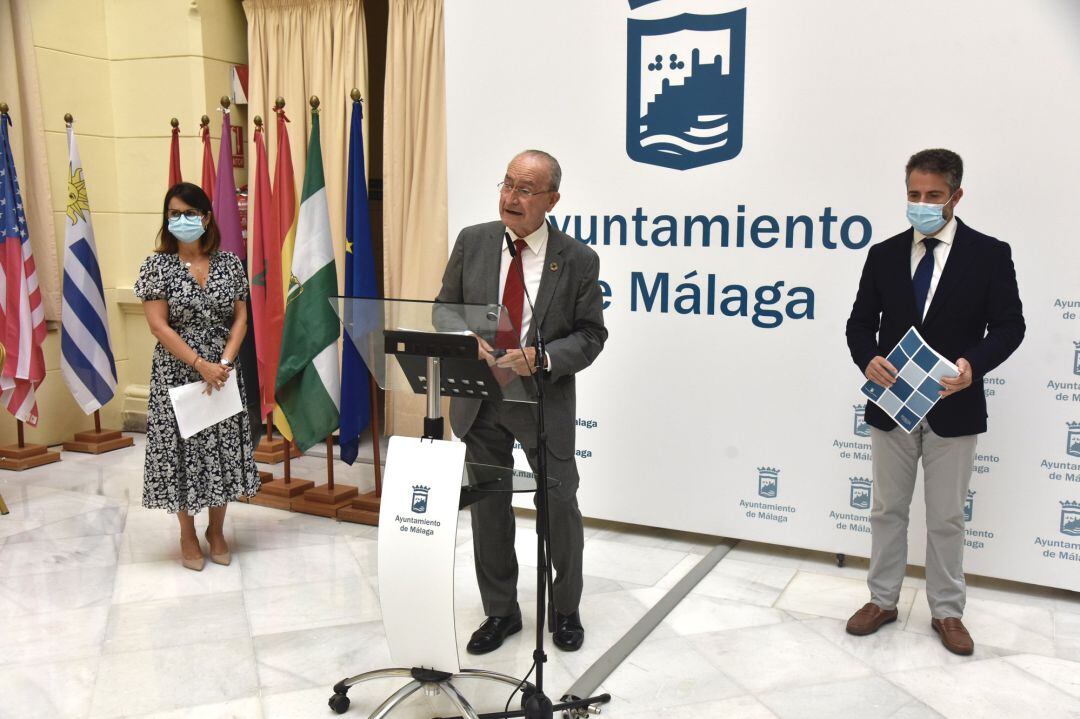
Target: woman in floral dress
(194,299)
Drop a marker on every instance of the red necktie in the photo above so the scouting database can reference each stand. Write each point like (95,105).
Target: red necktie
(513,299)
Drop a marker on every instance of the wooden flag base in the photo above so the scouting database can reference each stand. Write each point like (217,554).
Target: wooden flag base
(105,440)
(18,458)
(279,494)
(325,500)
(272,451)
(362,510)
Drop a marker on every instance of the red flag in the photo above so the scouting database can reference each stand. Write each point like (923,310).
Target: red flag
(207,163)
(226,211)
(174,157)
(266,291)
(22,315)
(283,231)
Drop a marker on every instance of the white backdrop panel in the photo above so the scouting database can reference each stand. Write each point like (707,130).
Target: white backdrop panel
(685,407)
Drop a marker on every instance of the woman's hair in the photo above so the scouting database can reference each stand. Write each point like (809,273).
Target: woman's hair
(193,195)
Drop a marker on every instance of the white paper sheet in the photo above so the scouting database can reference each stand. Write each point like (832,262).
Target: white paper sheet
(195,410)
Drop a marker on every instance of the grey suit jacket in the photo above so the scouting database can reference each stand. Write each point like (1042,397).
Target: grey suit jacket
(569,305)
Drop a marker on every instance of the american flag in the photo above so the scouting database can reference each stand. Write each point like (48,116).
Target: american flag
(22,315)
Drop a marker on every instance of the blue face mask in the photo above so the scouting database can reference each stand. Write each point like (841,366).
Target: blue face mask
(186,229)
(925,217)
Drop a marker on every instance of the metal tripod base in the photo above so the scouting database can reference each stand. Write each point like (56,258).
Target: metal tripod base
(431,681)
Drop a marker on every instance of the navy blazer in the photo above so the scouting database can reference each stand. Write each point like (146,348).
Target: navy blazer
(975,314)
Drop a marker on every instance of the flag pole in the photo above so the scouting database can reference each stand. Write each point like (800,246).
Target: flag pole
(376,436)
(330,463)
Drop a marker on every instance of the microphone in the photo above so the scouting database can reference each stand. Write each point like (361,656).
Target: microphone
(528,297)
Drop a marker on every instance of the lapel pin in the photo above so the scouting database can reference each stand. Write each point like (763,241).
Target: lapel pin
(554,267)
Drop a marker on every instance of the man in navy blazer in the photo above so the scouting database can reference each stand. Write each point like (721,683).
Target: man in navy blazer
(958,287)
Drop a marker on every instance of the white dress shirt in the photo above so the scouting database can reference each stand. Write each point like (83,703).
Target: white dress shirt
(941,255)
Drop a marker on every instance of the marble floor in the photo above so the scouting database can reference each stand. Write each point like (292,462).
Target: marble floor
(98,619)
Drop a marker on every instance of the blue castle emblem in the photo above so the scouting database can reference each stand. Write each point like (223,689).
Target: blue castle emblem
(969,505)
(766,482)
(419,498)
(1070,518)
(861,488)
(1076,359)
(1072,444)
(684,88)
(861,428)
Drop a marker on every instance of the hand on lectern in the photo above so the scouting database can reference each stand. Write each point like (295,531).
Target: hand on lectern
(520,361)
(486,350)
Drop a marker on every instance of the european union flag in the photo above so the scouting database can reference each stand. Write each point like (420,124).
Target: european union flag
(359,282)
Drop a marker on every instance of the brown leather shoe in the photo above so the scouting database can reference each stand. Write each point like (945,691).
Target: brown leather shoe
(954,635)
(869,619)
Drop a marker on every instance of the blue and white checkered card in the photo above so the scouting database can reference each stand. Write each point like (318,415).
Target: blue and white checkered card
(917,385)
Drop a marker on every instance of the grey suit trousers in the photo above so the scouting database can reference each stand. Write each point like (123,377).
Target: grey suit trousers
(490,440)
(947,464)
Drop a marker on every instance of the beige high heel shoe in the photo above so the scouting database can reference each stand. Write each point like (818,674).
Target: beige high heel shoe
(195,565)
(224,559)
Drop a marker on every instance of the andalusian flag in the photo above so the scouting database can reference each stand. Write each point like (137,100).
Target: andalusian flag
(308,380)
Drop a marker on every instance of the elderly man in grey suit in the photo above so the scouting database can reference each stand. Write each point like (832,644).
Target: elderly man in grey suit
(562,276)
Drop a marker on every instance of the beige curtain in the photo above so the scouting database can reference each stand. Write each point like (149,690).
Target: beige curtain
(19,89)
(300,48)
(414,171)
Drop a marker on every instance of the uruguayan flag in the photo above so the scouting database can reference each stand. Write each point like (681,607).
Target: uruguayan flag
(86,356)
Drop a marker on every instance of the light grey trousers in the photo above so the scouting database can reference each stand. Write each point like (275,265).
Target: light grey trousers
(947,465)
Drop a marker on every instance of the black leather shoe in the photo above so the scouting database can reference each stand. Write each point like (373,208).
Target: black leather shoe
(569,634)
(492,632)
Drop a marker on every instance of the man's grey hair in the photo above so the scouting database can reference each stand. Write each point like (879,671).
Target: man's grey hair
(554,169)
(939,162)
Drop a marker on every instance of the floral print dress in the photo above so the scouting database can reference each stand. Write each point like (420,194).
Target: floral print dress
(214,466)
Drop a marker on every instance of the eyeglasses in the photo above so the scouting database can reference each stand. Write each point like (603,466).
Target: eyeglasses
(190,214)
(522,192)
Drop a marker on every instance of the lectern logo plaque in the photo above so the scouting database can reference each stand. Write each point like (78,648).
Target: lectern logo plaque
(684,88)
(419,498)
